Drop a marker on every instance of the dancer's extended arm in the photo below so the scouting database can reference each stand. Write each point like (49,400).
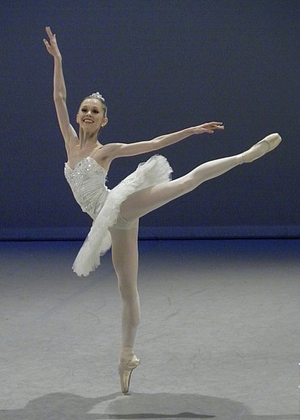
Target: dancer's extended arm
(116,150)
(59,90)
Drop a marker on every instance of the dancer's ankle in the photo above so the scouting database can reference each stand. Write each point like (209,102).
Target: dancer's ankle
(255,152)
(126,352)
(240,158)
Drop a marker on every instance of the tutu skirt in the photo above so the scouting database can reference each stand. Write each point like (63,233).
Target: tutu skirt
(155,171)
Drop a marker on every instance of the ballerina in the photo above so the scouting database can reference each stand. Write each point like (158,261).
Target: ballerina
(116,212)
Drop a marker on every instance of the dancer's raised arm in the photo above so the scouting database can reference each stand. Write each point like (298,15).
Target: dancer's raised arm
(59,90)
(123,149)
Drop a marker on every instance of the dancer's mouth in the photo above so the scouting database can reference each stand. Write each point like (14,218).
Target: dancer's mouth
(88,120)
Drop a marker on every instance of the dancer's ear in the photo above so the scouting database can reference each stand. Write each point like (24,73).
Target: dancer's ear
(104,122)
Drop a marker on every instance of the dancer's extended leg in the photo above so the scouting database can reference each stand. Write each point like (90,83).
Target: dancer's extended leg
(145,201)
(125,261)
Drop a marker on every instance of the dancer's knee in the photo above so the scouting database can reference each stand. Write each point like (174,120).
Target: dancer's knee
(186,184)
(127,290)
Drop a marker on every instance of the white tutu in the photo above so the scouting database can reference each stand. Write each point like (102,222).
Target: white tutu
(155,171)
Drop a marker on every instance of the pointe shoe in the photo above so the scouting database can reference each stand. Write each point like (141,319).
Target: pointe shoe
(126,367)
(272,141)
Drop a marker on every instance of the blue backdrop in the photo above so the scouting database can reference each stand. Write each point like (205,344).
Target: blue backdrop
(162,66)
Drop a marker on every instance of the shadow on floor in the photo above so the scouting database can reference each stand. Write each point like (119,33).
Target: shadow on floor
(60,406)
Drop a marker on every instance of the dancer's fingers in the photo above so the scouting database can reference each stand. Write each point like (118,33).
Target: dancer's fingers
(50,34)
(218,127)
(212,126)
(46,44)
(212,123)
(212,129)
(215,123)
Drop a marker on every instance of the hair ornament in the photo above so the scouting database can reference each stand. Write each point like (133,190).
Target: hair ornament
(97,95)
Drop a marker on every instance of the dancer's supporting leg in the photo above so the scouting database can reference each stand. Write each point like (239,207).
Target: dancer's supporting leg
(125,262)
(145,201)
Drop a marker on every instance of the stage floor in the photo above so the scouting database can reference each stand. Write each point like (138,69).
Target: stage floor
(219,336)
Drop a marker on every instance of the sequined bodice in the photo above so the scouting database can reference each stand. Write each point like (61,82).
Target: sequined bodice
(87,181)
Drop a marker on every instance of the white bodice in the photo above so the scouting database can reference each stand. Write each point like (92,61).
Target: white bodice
(87,182)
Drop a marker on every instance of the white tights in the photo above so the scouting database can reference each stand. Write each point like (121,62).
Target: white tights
(124,242)
(125,262)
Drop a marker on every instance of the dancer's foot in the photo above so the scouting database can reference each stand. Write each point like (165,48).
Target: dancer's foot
(128,362)
(261,148)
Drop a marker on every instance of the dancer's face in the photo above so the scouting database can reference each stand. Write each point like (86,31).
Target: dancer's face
(90,115)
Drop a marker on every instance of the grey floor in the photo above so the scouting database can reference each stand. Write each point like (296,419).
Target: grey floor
(219,337)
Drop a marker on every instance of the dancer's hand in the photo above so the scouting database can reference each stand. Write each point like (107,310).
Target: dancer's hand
(210,128)
(52,47)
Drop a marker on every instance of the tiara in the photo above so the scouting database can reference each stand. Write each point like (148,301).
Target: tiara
(97,95)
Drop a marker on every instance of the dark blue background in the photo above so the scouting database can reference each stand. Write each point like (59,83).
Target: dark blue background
(162,65)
